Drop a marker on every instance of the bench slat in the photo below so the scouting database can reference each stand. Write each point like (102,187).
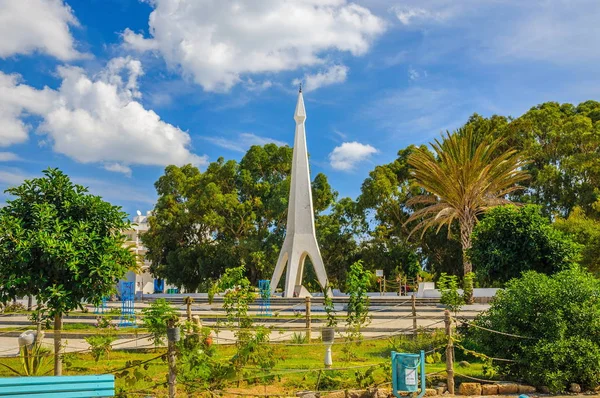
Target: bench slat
(80,394)
(45,380)
(58,386)
(37,388)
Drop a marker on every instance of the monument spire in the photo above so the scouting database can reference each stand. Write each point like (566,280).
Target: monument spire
(300,237)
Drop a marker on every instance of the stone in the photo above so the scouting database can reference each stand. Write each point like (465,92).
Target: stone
(524,389)
(440,390)
(469,389)
(441,384)
(430,392)
(306,394)
(381,393)
(358,394)
(574,387)
(544,390)
(464,364)
(337,394)
(489,389)
(508,388)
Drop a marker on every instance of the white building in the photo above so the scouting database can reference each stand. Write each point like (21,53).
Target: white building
(143,281)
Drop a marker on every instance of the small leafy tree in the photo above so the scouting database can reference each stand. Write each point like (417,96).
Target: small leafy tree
(553,328)
(251,343)
(101,342)
(357,316)
(62,245)
(448,287)
(155,318)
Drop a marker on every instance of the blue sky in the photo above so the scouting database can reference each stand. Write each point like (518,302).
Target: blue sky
(111,91)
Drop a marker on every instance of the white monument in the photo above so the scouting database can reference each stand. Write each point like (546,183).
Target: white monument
(300,237)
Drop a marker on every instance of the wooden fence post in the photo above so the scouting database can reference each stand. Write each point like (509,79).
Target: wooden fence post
(449,353)
(414,315)
(188,301)
(172,338)
(308,320)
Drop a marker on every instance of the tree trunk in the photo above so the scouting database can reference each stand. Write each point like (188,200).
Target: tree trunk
(466,228)
(29,302)
(57,345)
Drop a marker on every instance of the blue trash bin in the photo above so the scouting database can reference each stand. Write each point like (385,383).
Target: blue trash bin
(406,369)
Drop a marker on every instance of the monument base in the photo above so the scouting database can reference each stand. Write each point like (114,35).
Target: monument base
(300,291)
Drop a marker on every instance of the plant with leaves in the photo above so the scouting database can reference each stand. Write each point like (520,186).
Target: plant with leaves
(329,308)
(448,287)
(468,286)
(155,319)
(35,361)
(511,240)
(357,283)
(61,245)
(101,342)
(251,343)
(585,231)
(550,326)
(466,177)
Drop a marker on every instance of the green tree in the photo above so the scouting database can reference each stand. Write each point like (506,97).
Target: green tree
(510,240)
(465,178)
(61,245)
(552,326)
(231,214)
(562,142)
(585,231)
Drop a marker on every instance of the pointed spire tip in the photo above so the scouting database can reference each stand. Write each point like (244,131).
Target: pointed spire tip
(300,89)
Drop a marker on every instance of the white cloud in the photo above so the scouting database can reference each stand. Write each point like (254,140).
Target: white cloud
(408,15)
(8,156)
(334,74)
(95,119)
(118,168)
(346,156)
(37,25)
(16,101)
(242,142)
(217,41)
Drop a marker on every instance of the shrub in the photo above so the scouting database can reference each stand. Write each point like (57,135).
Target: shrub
(448,286)
(155,319)
(557,319)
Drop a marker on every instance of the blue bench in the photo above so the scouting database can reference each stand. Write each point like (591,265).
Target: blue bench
(58,386)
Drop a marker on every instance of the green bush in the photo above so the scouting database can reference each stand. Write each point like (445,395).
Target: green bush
(558,319)
(510,240)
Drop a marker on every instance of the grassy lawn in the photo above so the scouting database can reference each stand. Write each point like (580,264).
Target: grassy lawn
(297,369)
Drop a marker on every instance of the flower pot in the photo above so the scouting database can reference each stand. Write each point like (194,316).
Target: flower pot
(173,334)
(208,341)
(328,335)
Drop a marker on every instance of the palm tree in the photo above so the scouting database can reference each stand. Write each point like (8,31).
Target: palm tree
(466,177)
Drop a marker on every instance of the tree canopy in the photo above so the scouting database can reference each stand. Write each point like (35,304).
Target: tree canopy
(511,240)
(231,214)
(234,211)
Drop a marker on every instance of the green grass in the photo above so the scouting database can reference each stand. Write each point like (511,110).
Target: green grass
(309,358)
